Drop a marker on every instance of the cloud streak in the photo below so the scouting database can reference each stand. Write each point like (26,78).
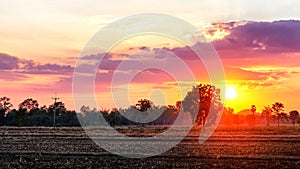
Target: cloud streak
(17,65)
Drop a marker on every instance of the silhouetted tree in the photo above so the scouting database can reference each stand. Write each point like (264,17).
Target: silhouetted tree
(10,118)
(253,110)
(21,117)
(5,105)
(144,105)
(85,109)
(40,118)
(32,116)
(199,100)
(105,114)
(168,116)
(278,109)
(250,119)
(29,105)
(178,105)
(60,108)
(92,117)
(115,117)
(266,113)
(67,119)
(228,116)
(236,119)
(283,116)
(294,116)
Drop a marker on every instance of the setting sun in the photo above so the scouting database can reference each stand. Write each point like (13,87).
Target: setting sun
(230,93)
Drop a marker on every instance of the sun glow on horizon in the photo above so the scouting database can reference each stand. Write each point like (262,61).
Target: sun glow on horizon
(230,93)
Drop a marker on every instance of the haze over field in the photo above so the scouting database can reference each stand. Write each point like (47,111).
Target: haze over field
(259,47)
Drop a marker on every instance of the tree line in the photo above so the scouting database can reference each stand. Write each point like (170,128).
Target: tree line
(199,102)
(30,113)
(274,114)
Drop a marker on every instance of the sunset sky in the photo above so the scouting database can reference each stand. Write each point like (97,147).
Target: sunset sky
(258,43)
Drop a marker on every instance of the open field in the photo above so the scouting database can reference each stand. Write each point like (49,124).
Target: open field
(235,147)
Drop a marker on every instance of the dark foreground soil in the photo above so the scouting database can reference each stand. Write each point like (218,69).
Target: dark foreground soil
(53,161)
(72,148)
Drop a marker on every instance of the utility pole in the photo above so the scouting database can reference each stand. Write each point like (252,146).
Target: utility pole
(54,114)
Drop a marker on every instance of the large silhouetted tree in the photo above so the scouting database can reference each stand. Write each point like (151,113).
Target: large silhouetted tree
(199,100)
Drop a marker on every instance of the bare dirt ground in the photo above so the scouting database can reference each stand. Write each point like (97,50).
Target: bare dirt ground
(229,147)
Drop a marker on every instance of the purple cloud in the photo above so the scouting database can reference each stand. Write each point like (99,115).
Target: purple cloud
(8,62)
(17,65)
(277,36)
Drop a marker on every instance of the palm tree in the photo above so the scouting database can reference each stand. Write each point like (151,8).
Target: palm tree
(253,110)
(278,109)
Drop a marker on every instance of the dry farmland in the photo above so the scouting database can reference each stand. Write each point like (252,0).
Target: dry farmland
(243,147)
